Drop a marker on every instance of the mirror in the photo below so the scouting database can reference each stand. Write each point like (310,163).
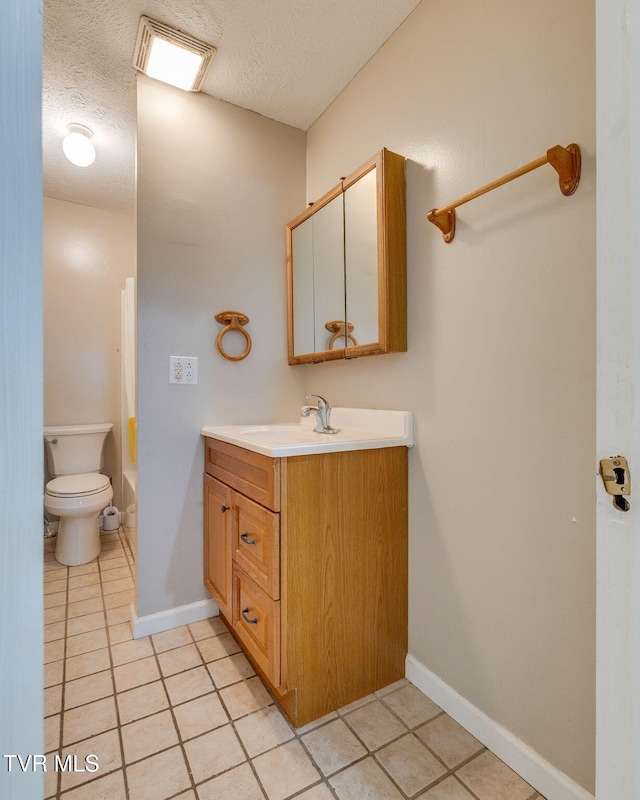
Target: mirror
(346,267)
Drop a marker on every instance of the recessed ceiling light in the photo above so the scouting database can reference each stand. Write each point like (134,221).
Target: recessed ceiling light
(77,145)
(171,56)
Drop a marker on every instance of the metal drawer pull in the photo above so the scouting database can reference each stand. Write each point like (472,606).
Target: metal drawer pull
(245,538)
(246,618)
(224,508)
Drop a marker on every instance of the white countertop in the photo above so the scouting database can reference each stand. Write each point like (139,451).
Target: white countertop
(358,429)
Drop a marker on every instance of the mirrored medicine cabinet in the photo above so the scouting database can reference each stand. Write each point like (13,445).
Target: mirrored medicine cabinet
(346,267)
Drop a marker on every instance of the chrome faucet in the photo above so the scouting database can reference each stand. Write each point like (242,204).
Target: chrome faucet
(322,411)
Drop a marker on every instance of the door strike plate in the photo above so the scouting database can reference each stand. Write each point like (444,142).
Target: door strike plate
(617,480)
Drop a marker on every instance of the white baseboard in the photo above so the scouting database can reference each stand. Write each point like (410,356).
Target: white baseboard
(171,618)
(543,776)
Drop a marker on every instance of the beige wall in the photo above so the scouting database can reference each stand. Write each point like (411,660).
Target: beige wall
(88,253)
(216,186)
(500,370)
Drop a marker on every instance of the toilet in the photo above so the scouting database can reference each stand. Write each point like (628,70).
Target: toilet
(78,492)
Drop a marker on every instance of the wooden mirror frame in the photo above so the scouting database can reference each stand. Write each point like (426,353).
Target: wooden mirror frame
(392,260)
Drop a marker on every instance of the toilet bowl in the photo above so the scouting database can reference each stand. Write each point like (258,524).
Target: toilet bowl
(77,496)
(77,500)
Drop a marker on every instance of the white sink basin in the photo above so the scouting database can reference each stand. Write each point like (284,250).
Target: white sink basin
(358,429)
(280,434)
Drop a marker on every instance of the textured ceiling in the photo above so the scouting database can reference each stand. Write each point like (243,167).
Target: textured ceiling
(285,59)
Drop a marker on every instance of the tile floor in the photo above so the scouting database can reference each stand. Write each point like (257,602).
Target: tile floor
(182,715)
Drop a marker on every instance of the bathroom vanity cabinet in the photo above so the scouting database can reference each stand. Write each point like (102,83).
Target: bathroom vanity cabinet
(306,557)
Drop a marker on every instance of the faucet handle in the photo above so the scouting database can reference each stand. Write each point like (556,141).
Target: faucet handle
(321,401)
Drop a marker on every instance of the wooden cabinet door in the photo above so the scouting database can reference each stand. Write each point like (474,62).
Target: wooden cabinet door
(218,543)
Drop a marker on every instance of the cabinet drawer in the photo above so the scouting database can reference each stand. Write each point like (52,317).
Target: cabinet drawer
(257,545)
(253,474)
(256,622)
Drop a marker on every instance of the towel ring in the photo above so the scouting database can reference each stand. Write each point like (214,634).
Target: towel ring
(233,321)
(336,327)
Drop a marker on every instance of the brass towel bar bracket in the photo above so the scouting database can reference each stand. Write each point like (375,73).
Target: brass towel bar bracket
(565,160)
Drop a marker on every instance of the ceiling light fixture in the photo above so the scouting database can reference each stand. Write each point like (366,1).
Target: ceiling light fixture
(77,145)
(169,55)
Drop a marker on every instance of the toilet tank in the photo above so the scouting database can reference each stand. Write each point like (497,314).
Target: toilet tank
(74,449)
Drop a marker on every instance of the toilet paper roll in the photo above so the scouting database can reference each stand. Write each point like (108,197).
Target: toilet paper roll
(111,519)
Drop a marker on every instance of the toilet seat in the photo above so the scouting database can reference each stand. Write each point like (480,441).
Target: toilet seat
(78,485)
